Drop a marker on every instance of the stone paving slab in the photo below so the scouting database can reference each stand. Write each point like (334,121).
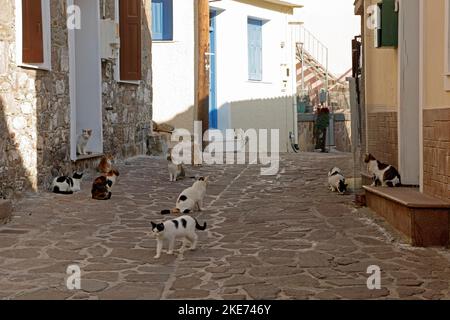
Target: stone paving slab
(269,237)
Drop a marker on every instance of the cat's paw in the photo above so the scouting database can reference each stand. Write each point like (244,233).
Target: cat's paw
(157,256)
(170,253)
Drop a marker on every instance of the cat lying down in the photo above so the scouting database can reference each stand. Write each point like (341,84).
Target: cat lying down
(67,185)
(183,227)
(191,199)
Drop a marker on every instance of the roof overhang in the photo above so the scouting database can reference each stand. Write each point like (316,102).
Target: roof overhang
(286,3)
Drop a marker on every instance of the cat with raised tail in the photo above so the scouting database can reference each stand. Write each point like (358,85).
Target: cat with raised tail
(382,174)
(336,181)
(67,185)
(82,142)
(191,199)
(183,227)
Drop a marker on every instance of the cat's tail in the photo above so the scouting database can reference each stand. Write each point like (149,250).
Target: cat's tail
(199,227)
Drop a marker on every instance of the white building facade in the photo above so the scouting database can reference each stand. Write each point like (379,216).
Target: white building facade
(252,65)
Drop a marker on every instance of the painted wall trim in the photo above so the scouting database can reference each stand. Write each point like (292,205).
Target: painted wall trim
(46,33)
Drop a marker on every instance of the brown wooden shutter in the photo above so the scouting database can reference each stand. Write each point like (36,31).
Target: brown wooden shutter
(32,38)
(130,39)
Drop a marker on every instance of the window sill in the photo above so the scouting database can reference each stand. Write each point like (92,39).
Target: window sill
(164,41)
(135,83)
(43,67)
(259,82)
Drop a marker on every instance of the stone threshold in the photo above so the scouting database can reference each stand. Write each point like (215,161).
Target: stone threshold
(423,219)
(89,156)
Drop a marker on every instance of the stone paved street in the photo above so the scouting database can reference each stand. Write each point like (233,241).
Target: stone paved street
(277,237)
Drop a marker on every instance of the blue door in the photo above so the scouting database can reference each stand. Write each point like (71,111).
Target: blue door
(213,121)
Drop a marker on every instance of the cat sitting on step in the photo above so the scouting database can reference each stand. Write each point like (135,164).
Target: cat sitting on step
(183,227)
(82,142)
(382,174)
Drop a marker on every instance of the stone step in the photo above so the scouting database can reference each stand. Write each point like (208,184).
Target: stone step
(5,211)
(423,219)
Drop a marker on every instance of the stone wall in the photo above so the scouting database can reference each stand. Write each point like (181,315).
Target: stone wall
(383,136)
(35,106)
(342,132)
(436,150)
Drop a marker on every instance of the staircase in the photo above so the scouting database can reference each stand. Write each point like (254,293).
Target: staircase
(312,66)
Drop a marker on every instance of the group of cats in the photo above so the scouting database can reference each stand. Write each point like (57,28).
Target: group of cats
(189,201)
(101,188)
(382,174)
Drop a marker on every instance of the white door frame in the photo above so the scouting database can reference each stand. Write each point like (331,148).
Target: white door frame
(73,84)
(409,92)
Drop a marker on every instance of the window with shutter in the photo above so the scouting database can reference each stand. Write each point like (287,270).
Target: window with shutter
(130,40)
(255,62)
(162,20)
(32,32)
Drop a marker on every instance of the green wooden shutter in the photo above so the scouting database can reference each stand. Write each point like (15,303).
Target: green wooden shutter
(389,24)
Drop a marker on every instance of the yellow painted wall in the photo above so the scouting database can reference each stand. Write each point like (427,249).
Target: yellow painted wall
(381,66)
(435,95)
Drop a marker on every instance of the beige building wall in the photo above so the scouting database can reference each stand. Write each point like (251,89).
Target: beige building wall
(436,102)
(435,95)
(381,72)
(381,95)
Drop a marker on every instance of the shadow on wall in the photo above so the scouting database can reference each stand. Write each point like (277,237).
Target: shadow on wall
(270,113)
(13,174)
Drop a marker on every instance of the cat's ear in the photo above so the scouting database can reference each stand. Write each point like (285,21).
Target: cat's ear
(153,225)
(89,131)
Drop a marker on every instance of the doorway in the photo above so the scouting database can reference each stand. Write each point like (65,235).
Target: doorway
(85,78)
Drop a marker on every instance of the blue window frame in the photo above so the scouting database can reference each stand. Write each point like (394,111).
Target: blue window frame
(162,20)
(255,62)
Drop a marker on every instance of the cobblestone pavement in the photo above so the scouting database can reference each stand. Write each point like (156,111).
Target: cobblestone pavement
(277,237)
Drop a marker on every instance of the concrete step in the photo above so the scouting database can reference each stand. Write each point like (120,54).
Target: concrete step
(423,219)
(5,211)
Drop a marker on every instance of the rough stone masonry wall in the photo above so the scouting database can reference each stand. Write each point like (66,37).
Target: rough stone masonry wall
(35,106)
(34,115)
(436,146)
(127,108)
(383,136)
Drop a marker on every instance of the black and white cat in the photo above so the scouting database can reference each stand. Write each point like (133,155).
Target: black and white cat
(67,185)
(336,181)
(191,199)
(382,174)
(82,141)
(183,227)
